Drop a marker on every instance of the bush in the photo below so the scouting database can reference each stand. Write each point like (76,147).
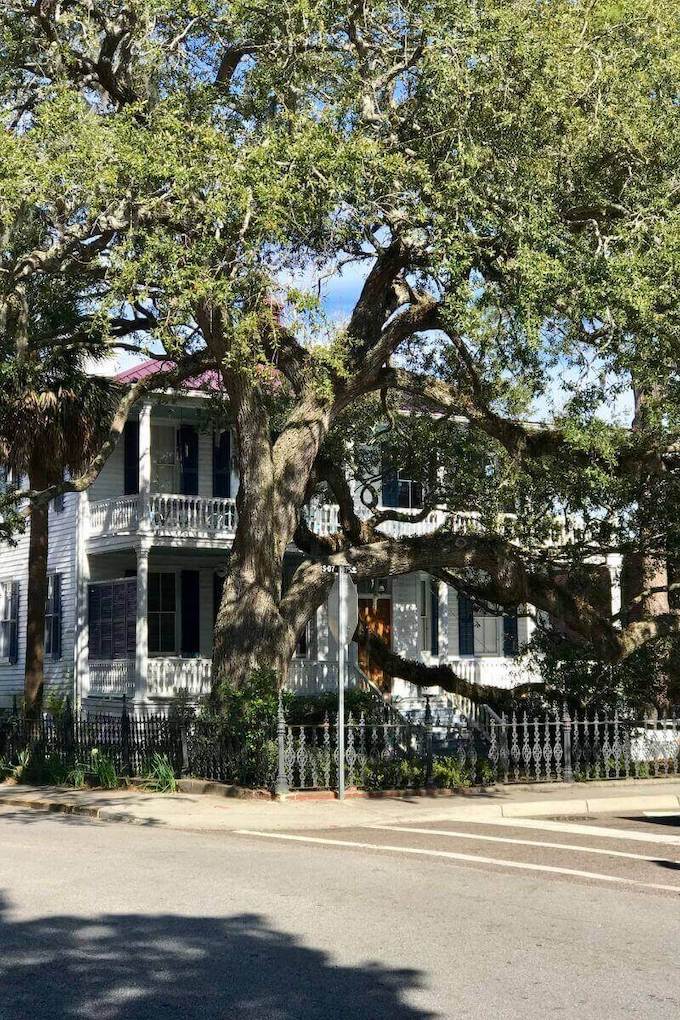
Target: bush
(102,770)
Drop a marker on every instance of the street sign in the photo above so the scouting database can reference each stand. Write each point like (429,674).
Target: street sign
(351,616)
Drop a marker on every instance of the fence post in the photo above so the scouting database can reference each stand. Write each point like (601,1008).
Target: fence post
(282,787)
(68,727)
(567,771)
(125,738)
(429,780)
(503,752)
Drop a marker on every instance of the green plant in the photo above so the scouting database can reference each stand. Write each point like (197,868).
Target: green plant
(77,775)
(55,703)
(160,775)
(103,770)
(20,770)
(449,774)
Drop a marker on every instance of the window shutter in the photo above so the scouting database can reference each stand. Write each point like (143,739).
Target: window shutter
(131,617)
(222,464)
(191,623)
(434,618)
(131,458)
(510,635)
(218,585)
(14,624)
(466,626)
(56,616)
(94,621)
(58,503)
(187,440)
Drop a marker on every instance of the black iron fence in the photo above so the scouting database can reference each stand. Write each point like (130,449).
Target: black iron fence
(560,748)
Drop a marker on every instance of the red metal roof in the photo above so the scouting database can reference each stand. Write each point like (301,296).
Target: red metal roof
(208,380)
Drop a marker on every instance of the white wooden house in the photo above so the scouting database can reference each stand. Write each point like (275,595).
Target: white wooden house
(136,565)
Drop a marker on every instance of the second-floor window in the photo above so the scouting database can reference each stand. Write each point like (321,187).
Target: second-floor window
(398,490)
(174,459)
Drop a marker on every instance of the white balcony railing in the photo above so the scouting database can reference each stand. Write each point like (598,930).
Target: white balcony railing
(112,679)
(165,514)
(166,676)
(215,517)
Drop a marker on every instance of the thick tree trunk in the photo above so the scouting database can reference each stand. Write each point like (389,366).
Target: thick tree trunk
(34,676)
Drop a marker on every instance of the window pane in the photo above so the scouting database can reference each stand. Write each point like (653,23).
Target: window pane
(4,640)
(154,593)
(154,633)
(168,593)
(167,632)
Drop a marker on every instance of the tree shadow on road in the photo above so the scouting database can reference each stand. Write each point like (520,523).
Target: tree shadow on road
(167,966)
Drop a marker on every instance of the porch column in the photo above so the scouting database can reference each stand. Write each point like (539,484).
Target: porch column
(142,635)
(614,565)
(443,594)
(144,464)
(82,633)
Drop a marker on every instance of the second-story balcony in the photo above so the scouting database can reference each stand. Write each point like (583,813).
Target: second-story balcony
(165,515)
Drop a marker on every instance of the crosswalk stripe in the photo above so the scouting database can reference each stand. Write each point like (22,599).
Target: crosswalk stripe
(525,842)
(472,858)
(577,830)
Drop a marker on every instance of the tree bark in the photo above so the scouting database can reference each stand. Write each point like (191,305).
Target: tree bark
(34,674)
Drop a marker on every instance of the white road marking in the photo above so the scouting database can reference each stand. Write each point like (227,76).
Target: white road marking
(473,858)
(575,829)
(661,814)
(526,842)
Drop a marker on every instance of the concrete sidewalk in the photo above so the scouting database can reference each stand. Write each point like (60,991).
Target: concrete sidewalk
(212,813)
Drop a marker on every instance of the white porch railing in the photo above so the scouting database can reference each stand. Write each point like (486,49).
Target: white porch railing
(112,679)
(166,676)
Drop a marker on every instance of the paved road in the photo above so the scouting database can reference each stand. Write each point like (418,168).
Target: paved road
(119,921)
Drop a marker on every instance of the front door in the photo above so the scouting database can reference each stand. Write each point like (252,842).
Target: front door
(377,616)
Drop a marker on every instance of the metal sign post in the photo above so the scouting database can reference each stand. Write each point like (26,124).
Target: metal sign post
(342,669)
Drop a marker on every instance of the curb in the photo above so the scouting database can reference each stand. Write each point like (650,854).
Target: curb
(520,809)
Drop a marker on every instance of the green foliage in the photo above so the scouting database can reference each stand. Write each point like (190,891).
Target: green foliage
(310,710)
(159,775)
(102,770)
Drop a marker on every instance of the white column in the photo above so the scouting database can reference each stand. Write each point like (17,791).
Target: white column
(144,463)
(614,565)
(142,637)
(81,636)
(443,590)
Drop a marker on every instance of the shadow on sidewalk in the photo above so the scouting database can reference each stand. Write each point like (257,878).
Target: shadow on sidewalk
(168,966)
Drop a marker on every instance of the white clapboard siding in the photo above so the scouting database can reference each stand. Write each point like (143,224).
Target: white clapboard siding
(61,559)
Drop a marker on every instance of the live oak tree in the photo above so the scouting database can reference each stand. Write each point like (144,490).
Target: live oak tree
(501,178)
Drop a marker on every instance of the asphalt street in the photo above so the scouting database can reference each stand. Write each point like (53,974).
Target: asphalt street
(505,918)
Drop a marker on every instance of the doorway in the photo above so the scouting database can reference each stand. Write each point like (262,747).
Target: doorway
(376,614)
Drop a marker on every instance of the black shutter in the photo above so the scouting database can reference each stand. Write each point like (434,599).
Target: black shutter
(191,625)
(510,635)
(56,616)
(466,626)
(131,457)
(58,503)
(94,621)
(119,622)
(131,617)
(187,440)
(14,624)
(222,464)
(434,618)
(218,585)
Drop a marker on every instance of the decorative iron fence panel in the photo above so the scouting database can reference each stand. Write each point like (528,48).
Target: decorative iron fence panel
(557,748)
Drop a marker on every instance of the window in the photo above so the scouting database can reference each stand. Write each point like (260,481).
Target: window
(487,633)
(162,614)
(53,616)
(424,633)
(304,642)
(131,457)
(222,463)
(400,491)
(164,460)
(9,614)
(434,617)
